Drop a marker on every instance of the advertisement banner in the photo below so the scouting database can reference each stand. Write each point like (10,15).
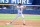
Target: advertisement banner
(23,2)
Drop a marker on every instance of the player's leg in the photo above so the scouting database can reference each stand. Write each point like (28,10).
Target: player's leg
(23,19)
(14,18)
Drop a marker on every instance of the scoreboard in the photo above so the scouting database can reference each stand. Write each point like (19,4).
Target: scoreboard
(23,2)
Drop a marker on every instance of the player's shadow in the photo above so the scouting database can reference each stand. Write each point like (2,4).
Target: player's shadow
(19,24)
(16,24)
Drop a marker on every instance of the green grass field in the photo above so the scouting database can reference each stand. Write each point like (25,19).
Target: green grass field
(12,16)
(5,26)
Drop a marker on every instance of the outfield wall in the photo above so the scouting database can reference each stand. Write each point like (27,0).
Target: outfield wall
(14,11)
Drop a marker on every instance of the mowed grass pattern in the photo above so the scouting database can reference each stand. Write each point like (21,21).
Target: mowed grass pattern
(12,16)
(5,26)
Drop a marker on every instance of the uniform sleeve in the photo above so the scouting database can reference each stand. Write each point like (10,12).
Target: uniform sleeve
(22,6)
(17,6)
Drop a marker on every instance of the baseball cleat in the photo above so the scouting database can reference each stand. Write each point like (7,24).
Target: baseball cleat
(23,24)
(7,23)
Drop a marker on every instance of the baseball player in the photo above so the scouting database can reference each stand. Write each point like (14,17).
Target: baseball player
(20,9)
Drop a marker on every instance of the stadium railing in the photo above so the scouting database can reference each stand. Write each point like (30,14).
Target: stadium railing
(23,5)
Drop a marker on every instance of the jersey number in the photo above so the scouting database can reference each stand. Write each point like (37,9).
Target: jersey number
(20,9)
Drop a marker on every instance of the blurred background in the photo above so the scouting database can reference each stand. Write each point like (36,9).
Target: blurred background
(5,8)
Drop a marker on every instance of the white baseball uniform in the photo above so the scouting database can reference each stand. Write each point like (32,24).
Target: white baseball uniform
(20,9)
(19,13)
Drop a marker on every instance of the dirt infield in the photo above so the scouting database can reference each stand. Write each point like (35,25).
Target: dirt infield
(19,23)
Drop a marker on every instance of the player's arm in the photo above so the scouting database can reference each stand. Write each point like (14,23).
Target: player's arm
(15,5)
(24,7)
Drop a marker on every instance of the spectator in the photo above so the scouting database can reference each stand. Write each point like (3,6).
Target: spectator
(4,8)
(39,8)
